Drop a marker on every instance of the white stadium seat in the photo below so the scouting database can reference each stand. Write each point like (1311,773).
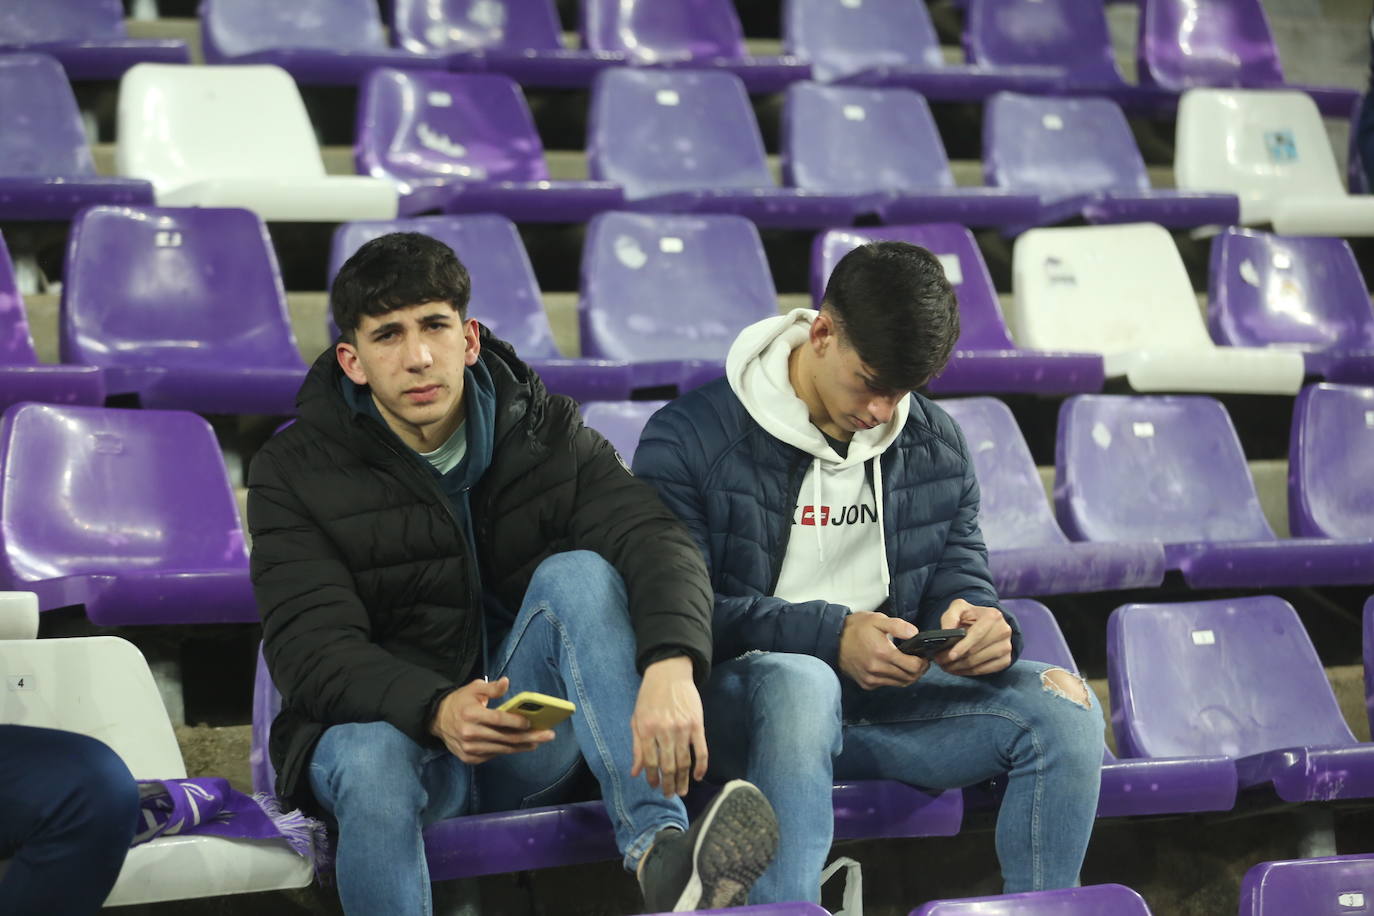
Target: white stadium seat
(101,686)
(1270,148)
(1122,291)
(235,136)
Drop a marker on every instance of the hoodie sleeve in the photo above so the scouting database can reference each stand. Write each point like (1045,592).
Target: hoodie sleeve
(672,458)
(963,568)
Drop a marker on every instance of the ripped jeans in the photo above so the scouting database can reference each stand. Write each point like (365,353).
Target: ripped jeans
(793,727)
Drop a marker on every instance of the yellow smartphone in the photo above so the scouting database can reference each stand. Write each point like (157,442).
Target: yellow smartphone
(542,711)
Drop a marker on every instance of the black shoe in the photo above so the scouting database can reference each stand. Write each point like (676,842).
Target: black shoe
(713,864)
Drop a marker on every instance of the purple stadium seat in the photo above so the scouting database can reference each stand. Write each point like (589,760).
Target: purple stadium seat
(465,143)
(1294,292)
(1187,43)
(1132,786)
(1081,157)
(128,512)
(985,361)
(1243,680)
(687,141)
(1069,34)
(86,36)
(505,297)
(621,422)
(1171,469)
(46,169)
(1333,884)
(883,144)
(1368,630)
(1028,554)
(183,307)
(319,42)
(700,34)
(1357,179)
(520,38)
(579,832)
(673,291)
(22,376)
(1330,455)
(893,43)
(1093,900)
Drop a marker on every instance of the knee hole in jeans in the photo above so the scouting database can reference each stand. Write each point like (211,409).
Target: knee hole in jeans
(1071,687)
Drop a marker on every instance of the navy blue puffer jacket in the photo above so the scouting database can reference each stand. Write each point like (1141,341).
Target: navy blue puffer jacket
(736,487)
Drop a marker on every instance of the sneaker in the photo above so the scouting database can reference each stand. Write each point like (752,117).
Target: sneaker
(712,865)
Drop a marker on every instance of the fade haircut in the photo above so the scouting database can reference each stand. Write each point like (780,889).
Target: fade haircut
(894,306)
(393,272)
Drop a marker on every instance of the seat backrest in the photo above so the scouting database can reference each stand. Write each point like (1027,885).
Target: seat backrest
(1255,143)
(180,125)
(16,346)
(1308,886)
(621,422)
(843,37)
(1167,469)
(846,139)
(473,25)
(179,287)
(671,287)
(981,325)
(505,294)
(655,132)
(230,28)
(1104,289)
(654,31)
(1014,510)
(1330,459)
(1042,639)
(449,126)
(43,134)
(1093,900)
(18,616)
(1055,145)
(95,685)
(1287,291)
(1184,43)
(1070,34)
(35,21)
(94,490)
(1235,676)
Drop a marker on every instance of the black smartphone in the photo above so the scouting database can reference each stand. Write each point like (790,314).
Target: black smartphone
(931,642)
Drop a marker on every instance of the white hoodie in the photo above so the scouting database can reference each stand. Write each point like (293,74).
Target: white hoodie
(836,550)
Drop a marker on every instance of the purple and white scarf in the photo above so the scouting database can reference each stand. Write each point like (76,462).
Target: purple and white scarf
(169,807)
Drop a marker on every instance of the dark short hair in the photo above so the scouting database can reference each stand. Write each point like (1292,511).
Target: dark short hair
(895,307)
(396,271)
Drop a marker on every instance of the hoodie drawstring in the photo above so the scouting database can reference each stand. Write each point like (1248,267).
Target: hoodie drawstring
(816,507)
(878,508)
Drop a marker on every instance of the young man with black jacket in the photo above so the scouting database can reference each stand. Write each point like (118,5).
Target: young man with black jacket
(838,513)
(437,530)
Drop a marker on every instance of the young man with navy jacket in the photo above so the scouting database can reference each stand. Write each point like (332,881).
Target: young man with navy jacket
(838,514)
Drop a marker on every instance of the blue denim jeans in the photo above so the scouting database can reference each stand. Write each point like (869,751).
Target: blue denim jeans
(68,811)
(792,726)
(572,638)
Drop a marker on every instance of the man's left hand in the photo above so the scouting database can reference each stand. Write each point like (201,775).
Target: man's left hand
(986,649)
(668,727)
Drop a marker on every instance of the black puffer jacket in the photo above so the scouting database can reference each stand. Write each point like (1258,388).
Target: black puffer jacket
(365,580)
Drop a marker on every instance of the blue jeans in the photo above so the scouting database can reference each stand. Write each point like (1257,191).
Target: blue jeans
(68,811)
(792,726)
(572,638)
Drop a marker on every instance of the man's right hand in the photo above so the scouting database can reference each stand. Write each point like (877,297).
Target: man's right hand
(868,655)
(475,734)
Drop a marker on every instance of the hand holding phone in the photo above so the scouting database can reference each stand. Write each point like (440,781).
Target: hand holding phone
(930,643)
(543,711)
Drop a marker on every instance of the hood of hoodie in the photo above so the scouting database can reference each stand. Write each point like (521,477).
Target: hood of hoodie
(757,368)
